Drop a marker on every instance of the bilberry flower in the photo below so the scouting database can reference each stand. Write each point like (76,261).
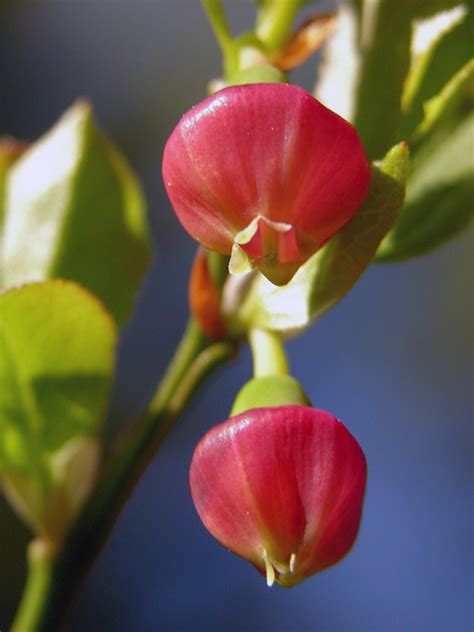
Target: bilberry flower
(264,173)
(282,487)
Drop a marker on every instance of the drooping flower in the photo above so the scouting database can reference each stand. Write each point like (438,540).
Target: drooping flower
(282,487)
(264,173)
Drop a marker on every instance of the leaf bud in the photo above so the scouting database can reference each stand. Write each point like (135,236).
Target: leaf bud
(205,297)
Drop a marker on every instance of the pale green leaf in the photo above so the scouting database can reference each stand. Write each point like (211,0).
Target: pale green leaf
(75,210)
(56,364)
(57,353)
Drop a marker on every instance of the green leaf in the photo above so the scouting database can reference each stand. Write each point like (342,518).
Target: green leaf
(429,222)
(449,101)
(75,210)
(433,70)
(330,273)
(426,8)
(440,195)
(369,60)
(385,51)
(57,346)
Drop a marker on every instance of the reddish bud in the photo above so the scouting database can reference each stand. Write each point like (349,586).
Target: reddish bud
(309,37)
(282,487)
(265,173)
(205,298)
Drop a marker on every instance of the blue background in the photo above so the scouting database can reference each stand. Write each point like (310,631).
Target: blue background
(392,361)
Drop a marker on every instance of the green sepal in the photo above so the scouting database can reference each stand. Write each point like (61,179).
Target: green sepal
(270,390)
(75,210)
(57,356)
(263,73)
(327,277)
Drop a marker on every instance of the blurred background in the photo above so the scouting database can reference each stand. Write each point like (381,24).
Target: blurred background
(392,361)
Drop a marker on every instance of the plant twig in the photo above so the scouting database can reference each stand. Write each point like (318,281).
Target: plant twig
(274,22)
(53,582)
(218,21)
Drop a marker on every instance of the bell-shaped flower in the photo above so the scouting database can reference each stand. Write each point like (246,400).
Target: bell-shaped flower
(264,173)
(282,487)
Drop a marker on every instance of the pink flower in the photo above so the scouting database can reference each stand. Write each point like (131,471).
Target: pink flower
(282,487)
(265,173)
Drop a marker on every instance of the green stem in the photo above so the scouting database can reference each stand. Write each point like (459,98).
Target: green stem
(218,21)
(192,362)
(191,344)
(41,555)
(268,353)
(218,267)
(274,22)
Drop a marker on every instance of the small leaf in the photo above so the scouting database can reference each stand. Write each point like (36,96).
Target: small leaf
(426,8)
(427,223)
(56,363)
(75,210)
(433,70)
(367,71)
(385,47)
(331,272)
(440,195)
(440,107)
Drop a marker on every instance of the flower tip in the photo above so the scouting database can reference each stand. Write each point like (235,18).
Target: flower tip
(280,273)
(273,247)
(277,273)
